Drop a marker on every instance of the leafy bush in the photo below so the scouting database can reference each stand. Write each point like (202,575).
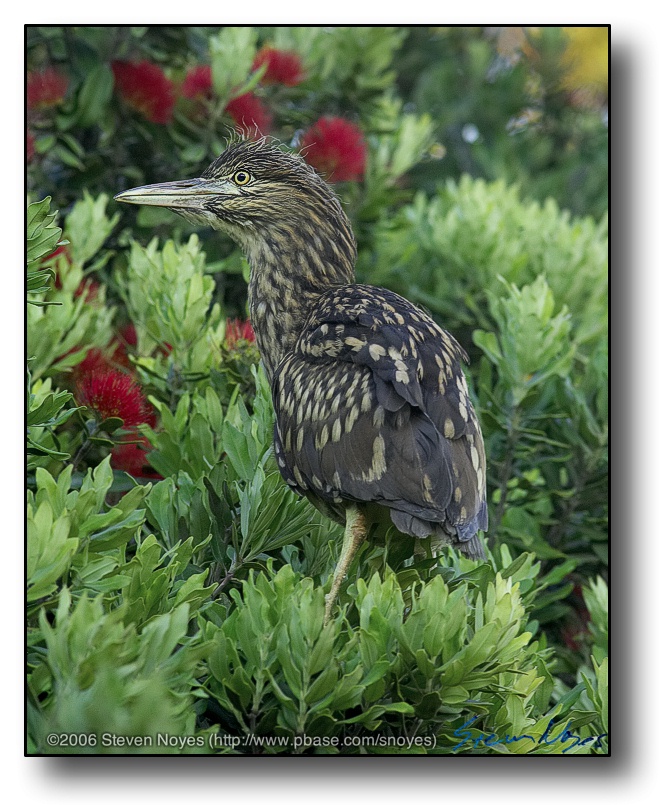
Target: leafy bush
(175,583)
(534,283)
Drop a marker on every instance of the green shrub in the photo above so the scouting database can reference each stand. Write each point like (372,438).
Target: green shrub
(221,562)
(175,584)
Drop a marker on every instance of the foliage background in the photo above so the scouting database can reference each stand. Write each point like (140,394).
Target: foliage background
(156,569)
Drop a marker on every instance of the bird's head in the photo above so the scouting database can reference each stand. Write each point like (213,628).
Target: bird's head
(254,191)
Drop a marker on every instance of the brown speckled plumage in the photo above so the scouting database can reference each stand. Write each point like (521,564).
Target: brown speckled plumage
(371,403)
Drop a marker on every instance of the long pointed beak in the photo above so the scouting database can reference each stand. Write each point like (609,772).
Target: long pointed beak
(189,194)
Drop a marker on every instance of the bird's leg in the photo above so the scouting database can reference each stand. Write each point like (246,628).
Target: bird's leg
(353,537)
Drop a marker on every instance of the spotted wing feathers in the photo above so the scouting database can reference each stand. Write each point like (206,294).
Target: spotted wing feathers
(372,405)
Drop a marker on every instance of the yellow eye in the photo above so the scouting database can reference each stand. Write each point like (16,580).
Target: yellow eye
(241,178)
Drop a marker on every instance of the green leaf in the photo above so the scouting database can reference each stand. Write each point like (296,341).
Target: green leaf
(87,226)
(236,445)
(40,281)
(49,550)
(232,53)
(36,449)
(111,424)
(94,95)
(42,233)
(48,411)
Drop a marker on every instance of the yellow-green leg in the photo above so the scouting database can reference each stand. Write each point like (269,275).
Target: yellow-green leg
(353,537)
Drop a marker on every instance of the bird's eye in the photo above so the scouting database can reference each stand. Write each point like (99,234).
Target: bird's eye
(241,178)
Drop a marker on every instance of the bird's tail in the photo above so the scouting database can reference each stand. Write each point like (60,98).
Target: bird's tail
(464,537)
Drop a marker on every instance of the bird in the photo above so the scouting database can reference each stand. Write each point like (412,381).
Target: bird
(373,419)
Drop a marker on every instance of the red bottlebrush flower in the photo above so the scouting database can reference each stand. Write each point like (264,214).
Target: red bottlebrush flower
(336,147)
(145,87)
(197,83)
(250,114)
(98,362)
(93,363)
(132,458)
(283,66)
(237,330)
(29,147)
(111,393)
(46,88)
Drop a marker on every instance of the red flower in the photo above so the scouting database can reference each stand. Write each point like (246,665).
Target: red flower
(237,330)
(283,66)
(29,148)
(115,357)
(145,87)
(336,147)
(93,363)
(110,393)
(250,114)
(46,88)
(132,458)
(197,83)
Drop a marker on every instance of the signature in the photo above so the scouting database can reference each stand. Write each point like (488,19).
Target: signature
(491,739)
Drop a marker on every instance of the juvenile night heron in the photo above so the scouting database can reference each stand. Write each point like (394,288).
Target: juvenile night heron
(373,418)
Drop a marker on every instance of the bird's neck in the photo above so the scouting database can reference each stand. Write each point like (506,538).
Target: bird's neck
(290,269)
